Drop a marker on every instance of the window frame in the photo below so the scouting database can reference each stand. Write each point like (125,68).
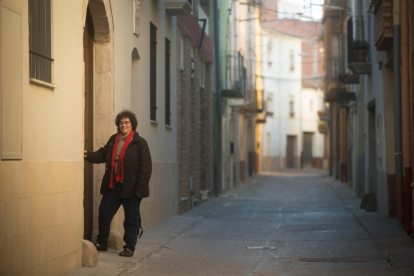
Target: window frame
(153,72)
(40,72)
(167,82)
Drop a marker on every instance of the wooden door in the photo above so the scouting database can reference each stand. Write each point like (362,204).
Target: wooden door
(290,152)
(88,125)
(307,149)
(372,147)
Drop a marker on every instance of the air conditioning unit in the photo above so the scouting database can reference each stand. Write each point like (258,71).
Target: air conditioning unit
(178,7)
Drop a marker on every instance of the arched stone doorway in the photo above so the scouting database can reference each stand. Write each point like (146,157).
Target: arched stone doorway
(98,91)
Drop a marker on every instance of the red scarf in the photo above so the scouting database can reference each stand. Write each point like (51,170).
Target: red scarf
(120,167)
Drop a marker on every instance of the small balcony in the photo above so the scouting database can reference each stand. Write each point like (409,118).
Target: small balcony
(345,98)
(324,115)
(178,7)
(233,84)
(332,94)
(333,85)
(323,127)
(336,89)
(349,79)
(358,48)
(254,105)
(383,24)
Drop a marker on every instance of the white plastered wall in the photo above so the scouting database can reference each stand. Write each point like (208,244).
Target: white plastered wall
(162,203)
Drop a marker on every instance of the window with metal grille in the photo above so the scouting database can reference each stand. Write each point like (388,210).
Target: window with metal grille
(167,83)
(153,72)
(40,40)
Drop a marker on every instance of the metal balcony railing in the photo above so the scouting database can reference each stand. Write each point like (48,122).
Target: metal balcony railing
(358,47)
(356,35)
(332,79)
(234,75)
(333,71)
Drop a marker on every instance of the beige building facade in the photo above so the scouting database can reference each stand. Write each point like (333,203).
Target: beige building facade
(132,91)
(63,97)
(41,167)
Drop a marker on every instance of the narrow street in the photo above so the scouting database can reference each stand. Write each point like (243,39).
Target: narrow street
(310,224)
(253,137)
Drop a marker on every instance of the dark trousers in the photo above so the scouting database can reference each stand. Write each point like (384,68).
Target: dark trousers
(109,206)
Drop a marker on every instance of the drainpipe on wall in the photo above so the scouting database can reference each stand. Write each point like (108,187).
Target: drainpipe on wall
(218,169)
(331,139)
(397,112)
(406,116)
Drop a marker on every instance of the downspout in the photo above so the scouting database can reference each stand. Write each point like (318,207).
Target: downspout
(397,112)
(202,32)
(406,117)
(218,184)
(342,119)
(331,139)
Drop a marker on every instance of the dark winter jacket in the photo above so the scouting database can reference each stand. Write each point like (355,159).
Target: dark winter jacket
(137,166)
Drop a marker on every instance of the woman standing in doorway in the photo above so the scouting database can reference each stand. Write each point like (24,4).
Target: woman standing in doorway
(128,169)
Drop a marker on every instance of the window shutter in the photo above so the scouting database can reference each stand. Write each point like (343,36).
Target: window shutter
(167,83)
(153,72)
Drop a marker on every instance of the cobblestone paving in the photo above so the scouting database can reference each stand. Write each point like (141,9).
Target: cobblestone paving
(307,223)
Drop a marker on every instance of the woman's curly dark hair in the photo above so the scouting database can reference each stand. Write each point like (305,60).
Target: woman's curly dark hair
(125,113)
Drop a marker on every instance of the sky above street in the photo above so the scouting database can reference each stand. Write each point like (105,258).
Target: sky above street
(309,8)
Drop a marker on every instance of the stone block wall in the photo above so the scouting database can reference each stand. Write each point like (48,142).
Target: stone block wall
(41,217)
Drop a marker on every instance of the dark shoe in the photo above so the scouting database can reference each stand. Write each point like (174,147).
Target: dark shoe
(100,247)
(127,253)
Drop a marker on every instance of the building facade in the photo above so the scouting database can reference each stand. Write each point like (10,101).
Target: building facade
(293,136)
(242,99)
(67,69)
(368,64)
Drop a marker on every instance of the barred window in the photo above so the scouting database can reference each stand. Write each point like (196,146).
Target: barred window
(153,72)
(167,83)
(40,40)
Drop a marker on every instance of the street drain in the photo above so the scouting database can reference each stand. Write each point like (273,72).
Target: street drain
(261,247)
(330,260)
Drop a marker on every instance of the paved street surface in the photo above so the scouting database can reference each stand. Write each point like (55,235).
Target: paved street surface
(307,223)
